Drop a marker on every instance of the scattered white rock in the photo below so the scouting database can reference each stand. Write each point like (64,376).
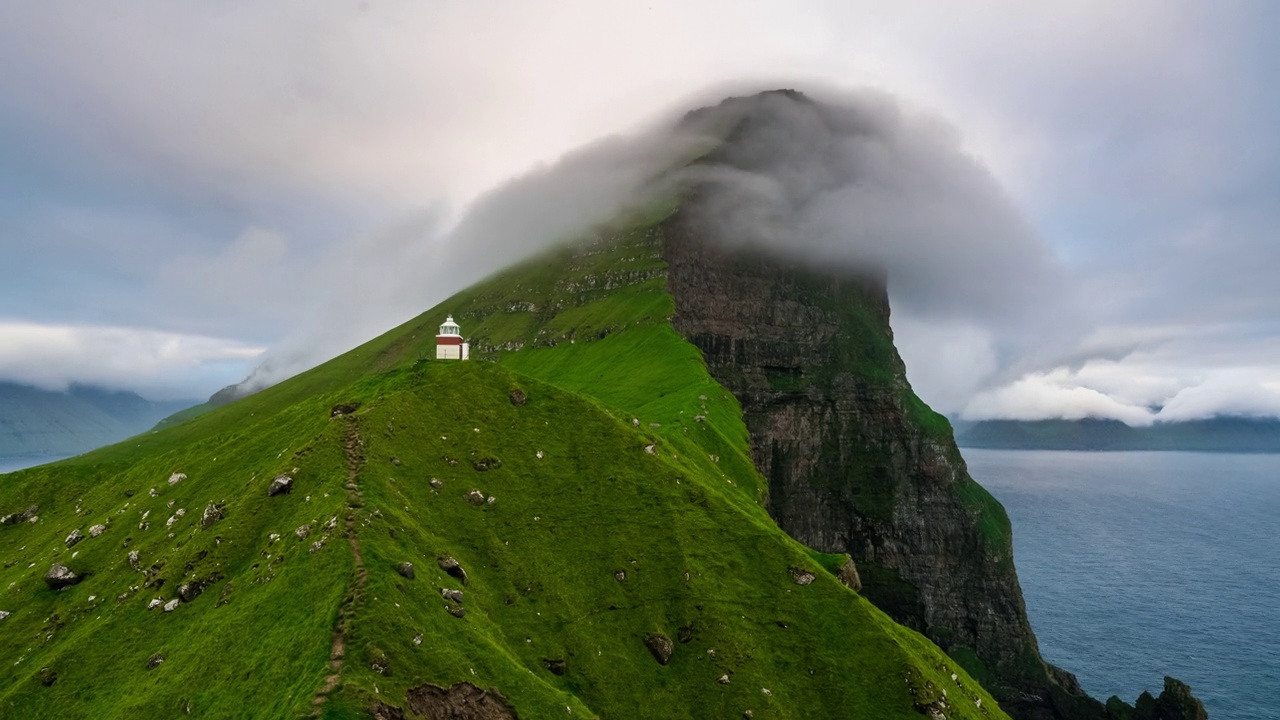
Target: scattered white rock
(417,639)
(274,537)
(635,422)
(92,598)
(766,692)
(539,454)
(491,500)
(723,679)
(169,606)
(180,512)
(134,562)
(4,614)
(176,478)
(172,519)
(303,531)
(155,603)
(333,523)
(74,538)
(152,492)
(97,530)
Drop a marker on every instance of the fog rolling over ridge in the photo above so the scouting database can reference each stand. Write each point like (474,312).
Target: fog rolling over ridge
(853,180)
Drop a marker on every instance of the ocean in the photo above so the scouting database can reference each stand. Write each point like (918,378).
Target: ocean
(1137,565)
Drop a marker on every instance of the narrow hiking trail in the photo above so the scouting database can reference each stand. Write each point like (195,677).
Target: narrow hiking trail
(352,445)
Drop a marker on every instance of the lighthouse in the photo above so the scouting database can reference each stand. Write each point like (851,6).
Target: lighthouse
(449,343)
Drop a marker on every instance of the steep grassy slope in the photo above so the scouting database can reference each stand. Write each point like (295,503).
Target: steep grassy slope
(624,507)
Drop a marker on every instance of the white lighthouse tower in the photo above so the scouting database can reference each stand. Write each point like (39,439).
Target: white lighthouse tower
(449,343)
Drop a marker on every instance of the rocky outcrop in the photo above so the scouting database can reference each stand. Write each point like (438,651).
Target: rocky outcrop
(855,462)
(1175,703)
(462,701)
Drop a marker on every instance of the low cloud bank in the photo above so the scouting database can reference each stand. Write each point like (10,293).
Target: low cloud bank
(157,365)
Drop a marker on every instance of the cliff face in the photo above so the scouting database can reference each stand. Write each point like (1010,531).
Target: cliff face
(856,463)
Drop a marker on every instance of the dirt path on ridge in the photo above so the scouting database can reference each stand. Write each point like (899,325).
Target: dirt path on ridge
(352,445)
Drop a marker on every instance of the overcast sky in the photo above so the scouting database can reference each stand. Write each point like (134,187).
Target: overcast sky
(185,185)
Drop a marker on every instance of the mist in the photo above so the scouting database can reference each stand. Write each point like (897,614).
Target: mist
(859,179)
(368,286)
(988,319)
(850,181)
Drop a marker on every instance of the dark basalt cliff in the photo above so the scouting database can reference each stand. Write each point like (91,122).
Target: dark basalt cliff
(856,463)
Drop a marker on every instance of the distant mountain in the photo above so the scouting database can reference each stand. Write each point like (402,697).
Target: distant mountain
(1219,434)
(35,422)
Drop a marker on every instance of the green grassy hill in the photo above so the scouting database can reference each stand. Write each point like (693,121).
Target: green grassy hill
(613,510)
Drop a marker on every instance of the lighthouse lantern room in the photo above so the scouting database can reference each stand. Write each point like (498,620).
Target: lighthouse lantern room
(449,343)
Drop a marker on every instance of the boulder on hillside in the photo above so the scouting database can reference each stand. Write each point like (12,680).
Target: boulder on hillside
(800,576)
(451,566)
(213,512)
(279,485)
(849,575)
(406,570)
(660,646)
(518,397)
(74,538)
(97,530)
(19,518)
(190,590)
(454,595)
(60,576)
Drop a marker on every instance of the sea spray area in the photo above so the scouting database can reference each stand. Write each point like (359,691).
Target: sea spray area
(1139,564)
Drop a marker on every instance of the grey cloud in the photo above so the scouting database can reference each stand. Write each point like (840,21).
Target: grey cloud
(858,180)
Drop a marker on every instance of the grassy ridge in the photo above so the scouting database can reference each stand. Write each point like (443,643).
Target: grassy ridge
(627,458)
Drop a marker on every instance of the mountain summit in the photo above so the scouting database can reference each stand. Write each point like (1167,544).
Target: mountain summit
(682,475)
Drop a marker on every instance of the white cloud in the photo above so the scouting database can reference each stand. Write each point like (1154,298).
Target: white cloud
(156,364)
(1052,395)
(1234,392)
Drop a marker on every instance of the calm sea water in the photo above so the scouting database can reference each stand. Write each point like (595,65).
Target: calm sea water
(1144,564)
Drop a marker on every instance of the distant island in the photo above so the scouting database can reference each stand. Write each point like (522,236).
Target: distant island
(38,423)
(1219,434)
